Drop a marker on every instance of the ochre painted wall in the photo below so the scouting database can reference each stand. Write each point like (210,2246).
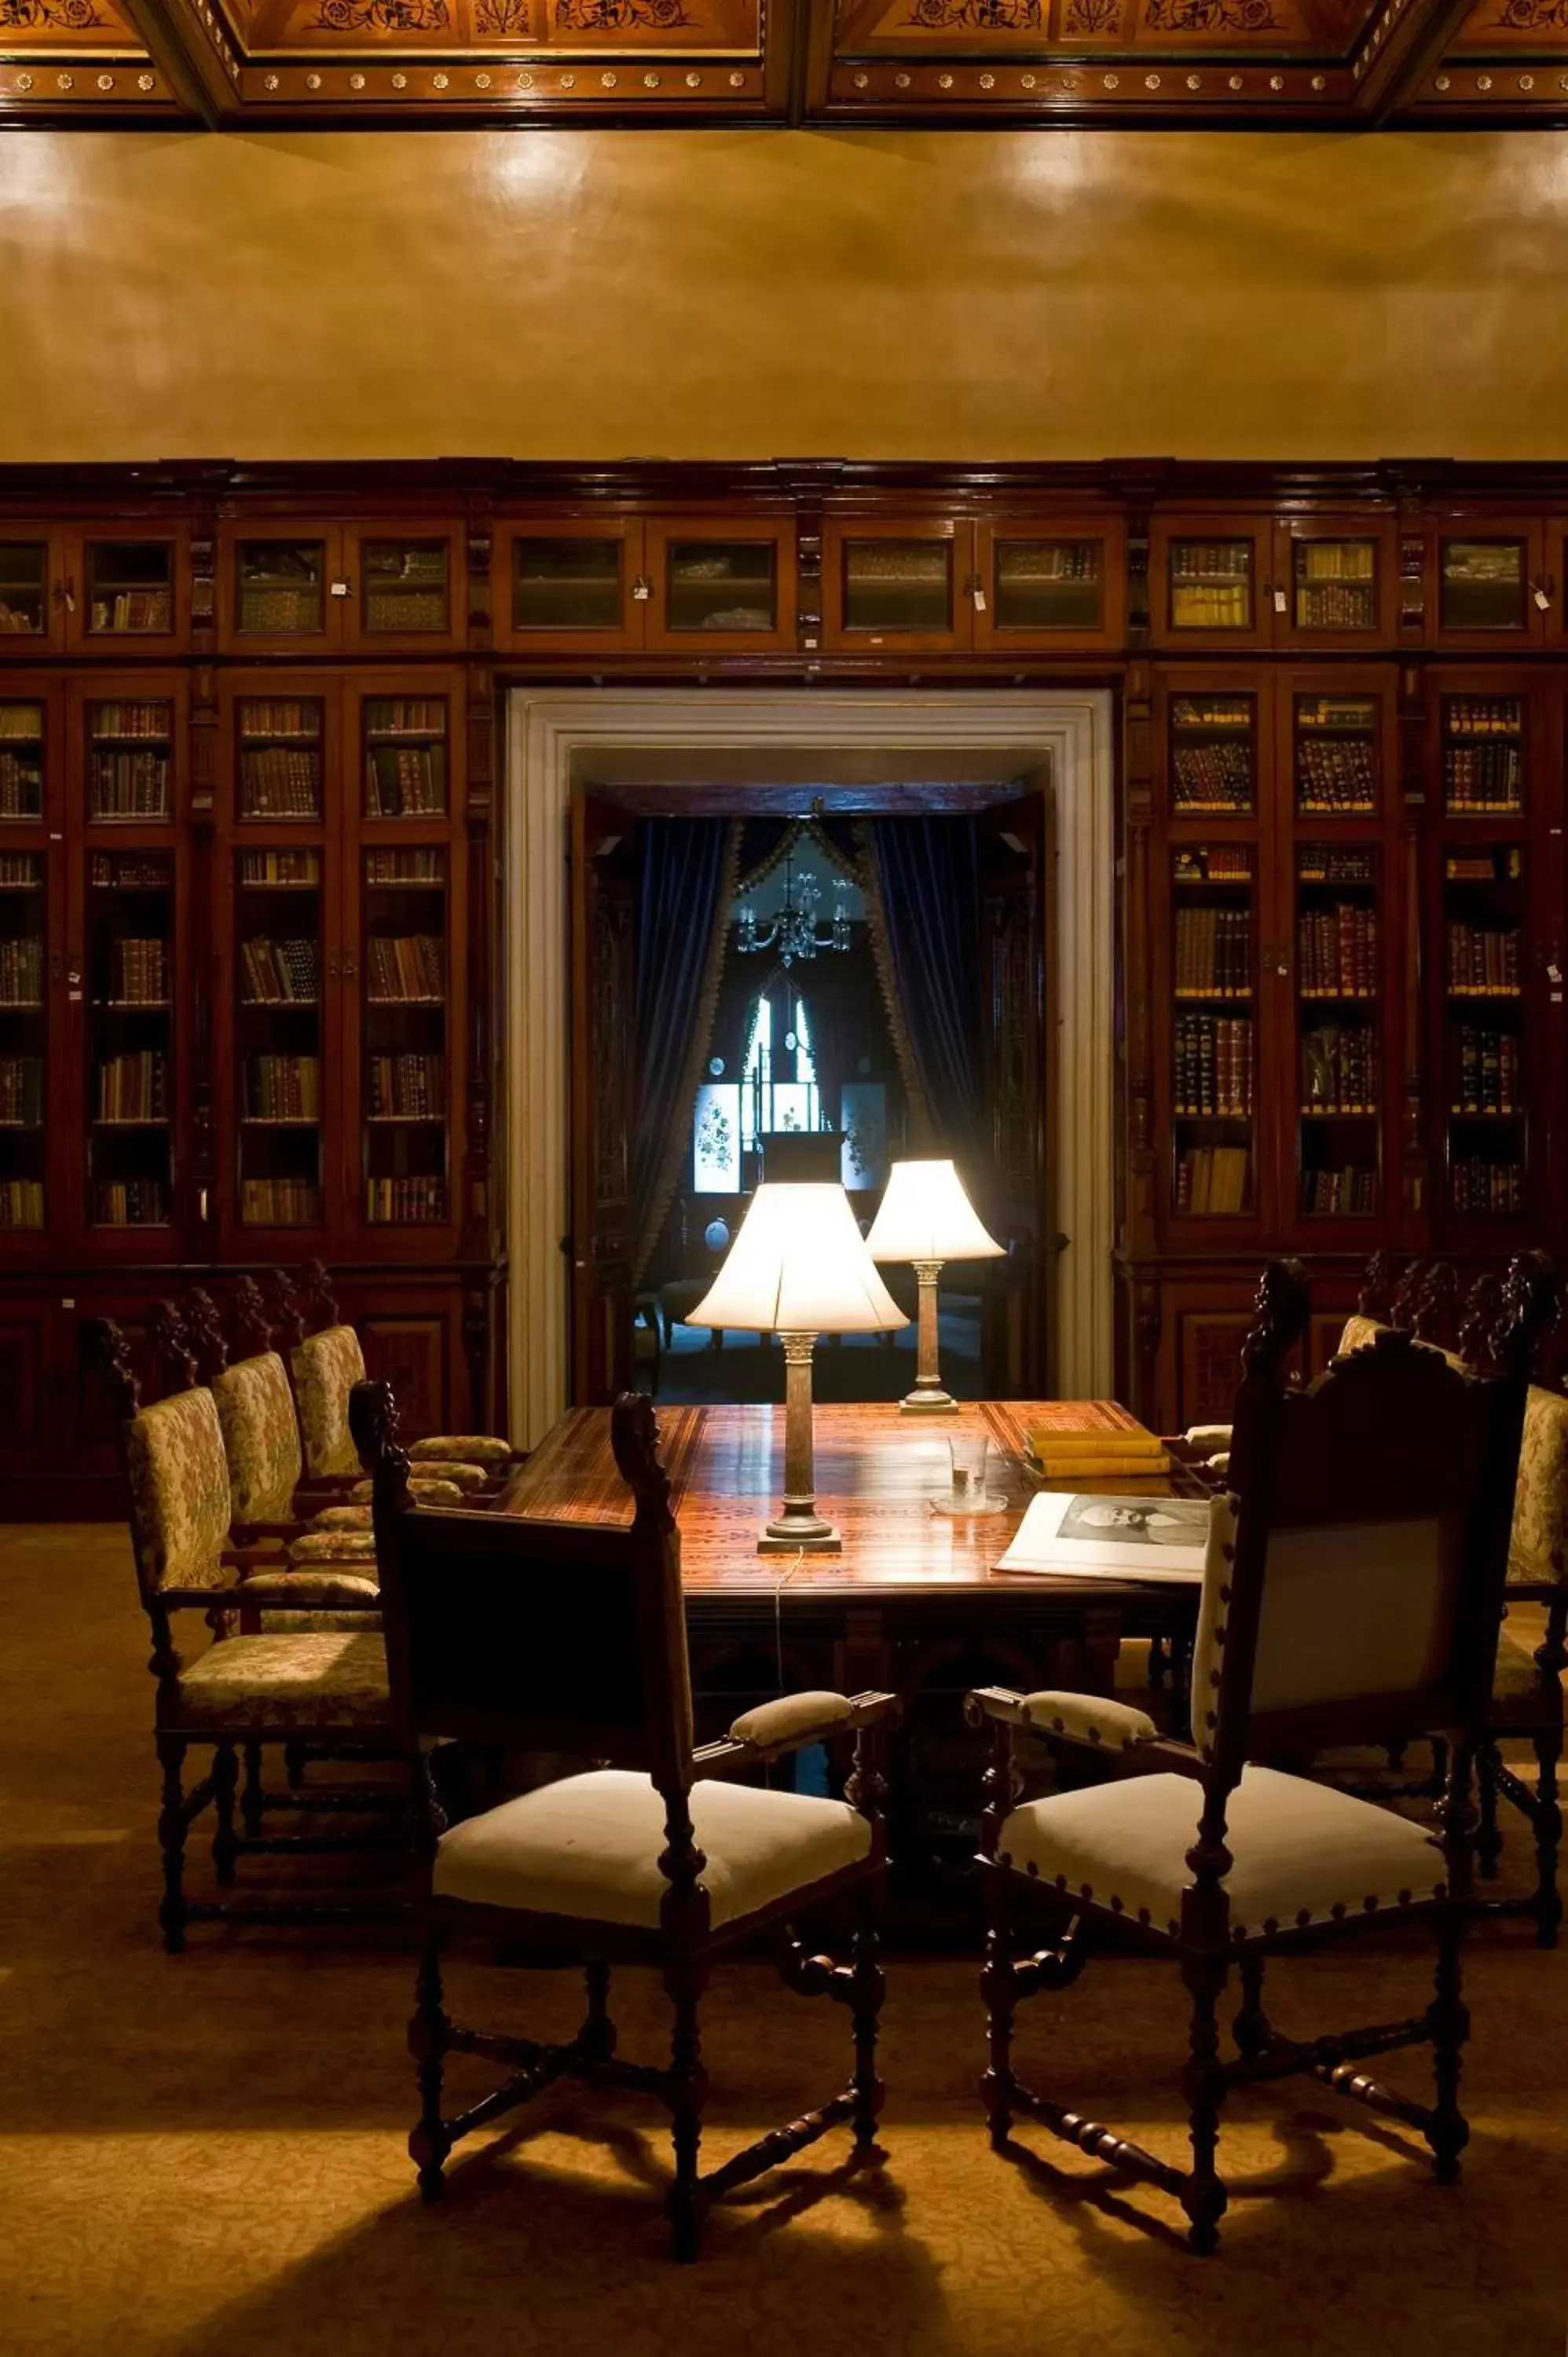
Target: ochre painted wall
(598,295)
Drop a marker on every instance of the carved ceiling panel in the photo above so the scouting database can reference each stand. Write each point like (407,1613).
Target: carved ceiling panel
(1242,63)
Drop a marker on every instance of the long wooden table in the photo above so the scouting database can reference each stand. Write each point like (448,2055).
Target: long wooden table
(914,1598)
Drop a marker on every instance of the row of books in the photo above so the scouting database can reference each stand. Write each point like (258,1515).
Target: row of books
(21,969)
(1488,1187)
(153,719)
(1336,606)
(405,781)
(290,867)
(130,785)
(21,785)
(1335,560)
(134,1087)
(281,781)
(1048,560)
(283,1088)
(404,1201)
(405,610)
(138,972)
(1229,863)
(1482,716)
(21,1092)
(21,723)
(1213,777)
(21,621)
(1336,951)
(1214,953)
(1505,864)
(1211,605)
(129,871)
(1334,862)
(135,609)
(1348,1194)
(1483,960)
(280,609)
(21,1203)
(411,1087)
(279,973)
(1488,1072)
(1340,1073)
(409,865)
(1213,1178)
(21,871)
(1334,712)
(130,1203)
(1336,773)
(407,968)
(1214,1068)
(1483,777)
(263,717)
(406,715)
(280,1203)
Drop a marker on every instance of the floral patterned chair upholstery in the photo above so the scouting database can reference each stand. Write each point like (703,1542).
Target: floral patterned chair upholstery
(327,1366)
(246,1691)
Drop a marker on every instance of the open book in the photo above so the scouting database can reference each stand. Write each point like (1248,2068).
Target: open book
(1112,1538)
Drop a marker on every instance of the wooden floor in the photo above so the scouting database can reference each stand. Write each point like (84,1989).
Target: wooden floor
(203,2157)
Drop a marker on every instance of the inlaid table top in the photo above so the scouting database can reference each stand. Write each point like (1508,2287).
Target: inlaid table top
(877,1473)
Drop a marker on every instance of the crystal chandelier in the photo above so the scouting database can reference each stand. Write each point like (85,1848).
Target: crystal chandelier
(794,931)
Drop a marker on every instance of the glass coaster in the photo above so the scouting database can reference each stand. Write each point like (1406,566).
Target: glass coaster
(968,1510)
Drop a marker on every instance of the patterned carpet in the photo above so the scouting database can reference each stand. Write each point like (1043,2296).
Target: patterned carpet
(204,2155)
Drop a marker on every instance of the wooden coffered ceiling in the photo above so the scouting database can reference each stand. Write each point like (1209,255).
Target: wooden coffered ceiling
(1242,64)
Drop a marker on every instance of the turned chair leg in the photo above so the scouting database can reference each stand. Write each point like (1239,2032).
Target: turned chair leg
(429,2145)
(597,2035)
(225,1777)
(1251,2028)
(998,1989)
(868,1986)
(1203,2194)
(172,1913)
(1449,2024)
(252,1800)
(1489,1840)
(1548,1838)
(686,2087)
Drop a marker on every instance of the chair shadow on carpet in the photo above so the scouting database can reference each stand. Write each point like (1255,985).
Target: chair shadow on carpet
(522,2253)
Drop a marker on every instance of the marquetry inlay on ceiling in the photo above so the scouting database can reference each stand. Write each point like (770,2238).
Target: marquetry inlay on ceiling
(1252,64)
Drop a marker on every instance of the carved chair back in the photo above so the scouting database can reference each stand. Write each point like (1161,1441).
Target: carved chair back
(179,1480)
(261,1436)
(1354,1585)
(546,1635)
(327,1366)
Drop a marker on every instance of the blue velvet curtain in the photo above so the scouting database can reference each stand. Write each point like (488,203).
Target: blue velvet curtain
(687,878)
(927,874)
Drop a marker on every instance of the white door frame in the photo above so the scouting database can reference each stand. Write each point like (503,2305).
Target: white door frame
(552,737)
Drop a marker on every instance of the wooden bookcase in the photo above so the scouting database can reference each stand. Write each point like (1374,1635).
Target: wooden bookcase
(250,802)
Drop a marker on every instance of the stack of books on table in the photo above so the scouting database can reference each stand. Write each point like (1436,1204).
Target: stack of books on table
(1110,1447)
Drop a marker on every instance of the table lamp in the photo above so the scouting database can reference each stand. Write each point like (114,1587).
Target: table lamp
(926,1218)
(799,1268)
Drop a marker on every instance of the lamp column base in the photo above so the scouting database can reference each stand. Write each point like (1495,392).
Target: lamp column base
(799,1525)
(927,1398)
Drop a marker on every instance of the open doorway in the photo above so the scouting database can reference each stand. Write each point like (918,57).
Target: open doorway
(867,963)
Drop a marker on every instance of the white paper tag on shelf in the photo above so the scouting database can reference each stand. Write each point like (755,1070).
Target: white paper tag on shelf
(979,596)
(1541,599)
(1281,602)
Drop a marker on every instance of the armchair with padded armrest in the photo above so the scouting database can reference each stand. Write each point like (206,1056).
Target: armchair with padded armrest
(1352,1594)
(571,1637)
(248,1690)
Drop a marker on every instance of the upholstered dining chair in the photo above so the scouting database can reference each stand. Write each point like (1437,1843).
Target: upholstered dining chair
(1352,1594)
(572,1638)
(243,1690)
(325,1366)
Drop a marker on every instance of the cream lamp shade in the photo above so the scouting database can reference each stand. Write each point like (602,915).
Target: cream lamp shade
(799,1268)
(926,1215)
(800,1265)
(926,1218)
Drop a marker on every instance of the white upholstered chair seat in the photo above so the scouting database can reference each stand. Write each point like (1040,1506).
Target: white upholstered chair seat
(304,1681)
(589,1846)
(315,1549)
(429,1487)
(1303,1853)
(342,1518)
